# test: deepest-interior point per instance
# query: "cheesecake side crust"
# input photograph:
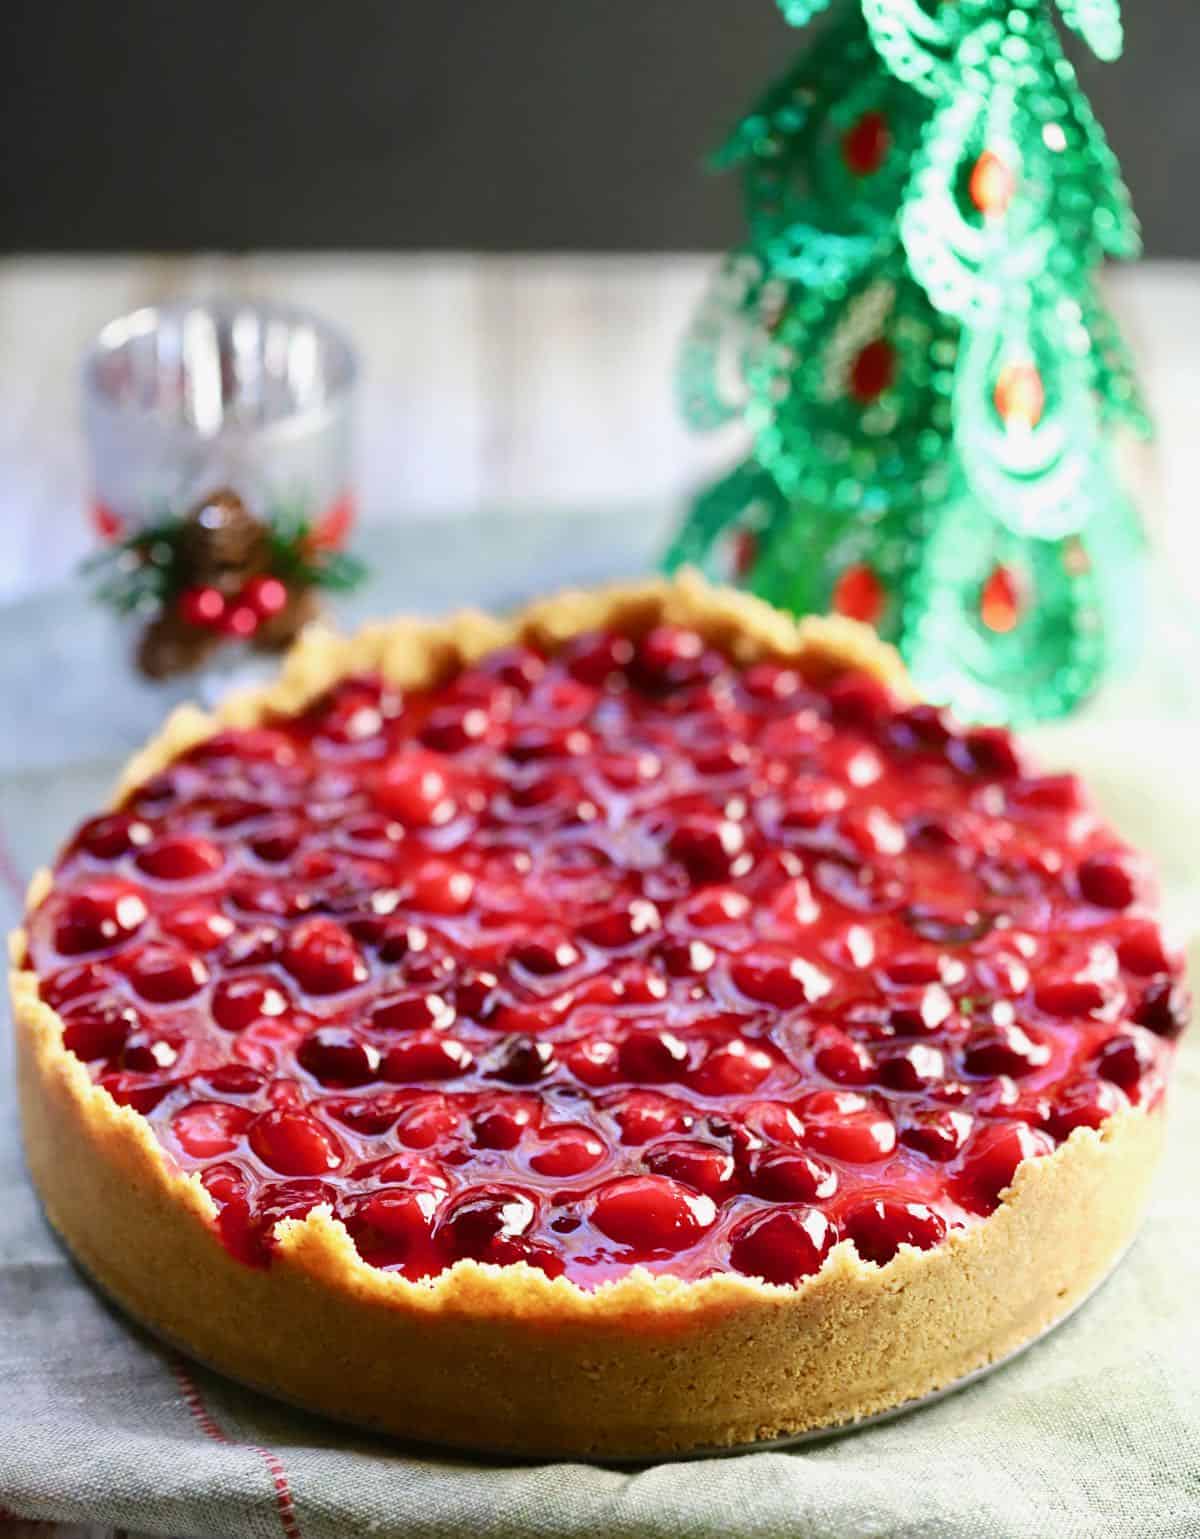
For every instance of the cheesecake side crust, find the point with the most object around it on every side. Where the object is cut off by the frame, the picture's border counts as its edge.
(505, 1358)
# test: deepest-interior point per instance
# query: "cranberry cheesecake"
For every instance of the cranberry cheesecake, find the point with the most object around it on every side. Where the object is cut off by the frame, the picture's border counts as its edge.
(632, 1027)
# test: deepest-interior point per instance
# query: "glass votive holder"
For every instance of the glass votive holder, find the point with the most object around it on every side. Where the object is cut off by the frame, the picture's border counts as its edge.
(185, 398)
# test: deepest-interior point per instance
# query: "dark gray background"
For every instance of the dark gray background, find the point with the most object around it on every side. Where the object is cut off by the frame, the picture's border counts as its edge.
(483, 124)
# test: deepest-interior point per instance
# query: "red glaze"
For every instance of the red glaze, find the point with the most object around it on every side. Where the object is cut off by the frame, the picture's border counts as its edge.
(622, 957)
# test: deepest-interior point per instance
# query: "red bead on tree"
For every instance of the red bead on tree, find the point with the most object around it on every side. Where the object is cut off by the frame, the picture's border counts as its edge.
(859, 595)
(866, 143)
(1001, 600)
(873, 371)
(1020, 396)
(991, 185)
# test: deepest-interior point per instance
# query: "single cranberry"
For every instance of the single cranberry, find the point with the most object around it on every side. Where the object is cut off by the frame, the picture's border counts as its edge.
(323, 958)
(703, 1166)
(102, 914)
(367, 1114)
(783, 982)
(597, 657)
(412, 1012)
(76, 982)
(165, 974)
(623, 926)
(545, 955)
(440, 887)
(686, 958)
(426, 1057)
(652, 1055)
(764, 1122)
(1083, 1103)
(991, 1162)
(1071, 998)
(807, 803)
(427, 1121)
(722, 759)
(477, 1222)
(1106, 881)
(879, 1228)
(651, 1215)
(294, 1143)
(206, 1129)
(151, 1048)
(109, 838)
(1165, 1007)
(567, 1149)
(717, 907)
(914, 1066)
(99, 1029)
(500, 1121)
(199, 926)
(1126, 1057)
(790, 1175)
(1045, 793)
(916, 1012)
(180, 858)
(594, 1060)
(134, 1089)
(772, 683)
(335, 1056)
(452, 728)
(735, 1067)
(644, 1115)
(847, 1126)
(712, 849)
(1006, 1049)
(248, 997)
(842, 1059)
(252, 947)
(521, 1060)
(414, 789)
(392, 1227)
(280, 1201)
(991, 751)
(234, 1079)
(782, 1245)
(1143, 952)
(939, 1133)
(671, 657)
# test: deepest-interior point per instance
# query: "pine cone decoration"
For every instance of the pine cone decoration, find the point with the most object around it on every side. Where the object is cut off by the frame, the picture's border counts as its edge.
(221, 541)
(170, 645)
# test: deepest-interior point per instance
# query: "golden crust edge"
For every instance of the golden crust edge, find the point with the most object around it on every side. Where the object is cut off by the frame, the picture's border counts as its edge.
(61, 1105)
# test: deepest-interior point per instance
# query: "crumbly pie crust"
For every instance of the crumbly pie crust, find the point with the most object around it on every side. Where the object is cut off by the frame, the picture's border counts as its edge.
(506, 1358)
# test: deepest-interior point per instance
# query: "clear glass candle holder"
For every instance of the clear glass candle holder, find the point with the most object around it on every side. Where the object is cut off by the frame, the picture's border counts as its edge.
(183, 399)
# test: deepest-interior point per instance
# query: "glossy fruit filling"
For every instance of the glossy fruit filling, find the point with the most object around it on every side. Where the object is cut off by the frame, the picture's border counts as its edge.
(624, 956)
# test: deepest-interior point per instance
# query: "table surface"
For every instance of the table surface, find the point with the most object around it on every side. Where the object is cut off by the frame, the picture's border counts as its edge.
(496, 384)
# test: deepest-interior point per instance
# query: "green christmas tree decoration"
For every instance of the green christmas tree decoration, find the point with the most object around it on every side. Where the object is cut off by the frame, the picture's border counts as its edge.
(913, 340)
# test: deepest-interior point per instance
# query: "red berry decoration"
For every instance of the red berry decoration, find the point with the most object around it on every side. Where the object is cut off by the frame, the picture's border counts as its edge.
(266, 596)
(202, 607)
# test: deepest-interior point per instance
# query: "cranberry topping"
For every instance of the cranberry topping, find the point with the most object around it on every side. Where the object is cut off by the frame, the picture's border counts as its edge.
(619, 956)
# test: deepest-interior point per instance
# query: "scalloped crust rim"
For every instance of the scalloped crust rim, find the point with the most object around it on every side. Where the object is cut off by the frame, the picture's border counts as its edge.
(505, 1358)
